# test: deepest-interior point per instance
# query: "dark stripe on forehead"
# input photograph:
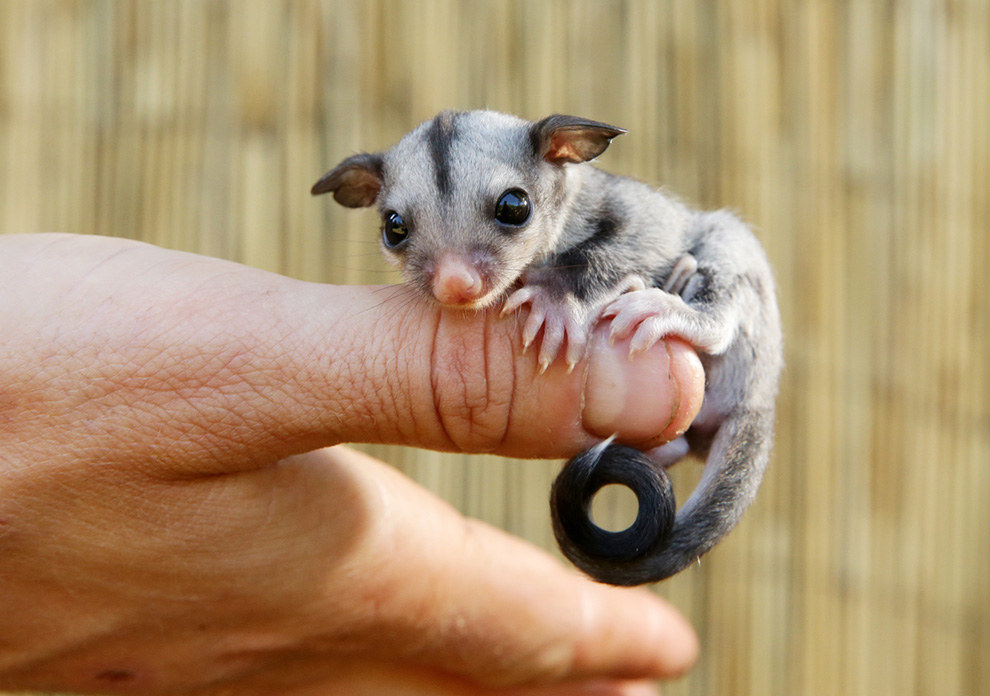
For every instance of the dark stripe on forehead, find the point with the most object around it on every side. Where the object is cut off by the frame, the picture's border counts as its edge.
(440, 139)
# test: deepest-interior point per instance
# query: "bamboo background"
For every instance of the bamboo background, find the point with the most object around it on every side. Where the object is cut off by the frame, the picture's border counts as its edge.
(854, 135)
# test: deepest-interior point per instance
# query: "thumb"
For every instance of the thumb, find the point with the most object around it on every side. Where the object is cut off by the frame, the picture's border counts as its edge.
(385, 365)
(205, 365)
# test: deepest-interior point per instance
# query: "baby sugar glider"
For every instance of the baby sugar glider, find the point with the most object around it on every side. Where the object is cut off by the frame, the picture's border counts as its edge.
(480, 208)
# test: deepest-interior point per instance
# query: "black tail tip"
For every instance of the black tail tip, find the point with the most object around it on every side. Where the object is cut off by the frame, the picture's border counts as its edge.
(612, 557)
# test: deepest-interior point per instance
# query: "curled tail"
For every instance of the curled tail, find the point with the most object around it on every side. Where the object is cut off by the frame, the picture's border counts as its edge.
(659, 543)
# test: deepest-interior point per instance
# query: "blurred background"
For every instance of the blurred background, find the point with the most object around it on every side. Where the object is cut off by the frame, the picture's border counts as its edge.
(853, 135)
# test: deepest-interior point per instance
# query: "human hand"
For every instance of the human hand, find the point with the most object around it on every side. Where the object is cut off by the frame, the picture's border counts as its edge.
(169, 525)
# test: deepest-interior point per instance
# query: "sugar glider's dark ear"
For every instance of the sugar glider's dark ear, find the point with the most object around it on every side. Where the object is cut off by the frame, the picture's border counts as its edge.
(559, 139)
(355, 182)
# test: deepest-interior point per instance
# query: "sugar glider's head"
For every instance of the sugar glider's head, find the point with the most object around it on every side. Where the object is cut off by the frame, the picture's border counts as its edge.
(469, 199)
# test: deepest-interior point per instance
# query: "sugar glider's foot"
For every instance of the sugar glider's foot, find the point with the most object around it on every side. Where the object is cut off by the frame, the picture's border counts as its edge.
(646, 315)
(563, 320)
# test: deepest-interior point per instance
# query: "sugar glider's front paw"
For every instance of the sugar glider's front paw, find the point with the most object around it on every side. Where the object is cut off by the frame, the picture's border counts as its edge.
(563, 319)
(646, 315)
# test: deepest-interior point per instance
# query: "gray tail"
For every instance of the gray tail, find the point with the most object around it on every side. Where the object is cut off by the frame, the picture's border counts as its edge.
(659, 543)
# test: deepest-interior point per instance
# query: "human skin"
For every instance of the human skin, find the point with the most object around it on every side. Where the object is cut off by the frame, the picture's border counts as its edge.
(174, 517)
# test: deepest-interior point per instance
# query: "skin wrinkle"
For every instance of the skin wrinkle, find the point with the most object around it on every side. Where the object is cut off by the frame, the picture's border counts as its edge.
(513, 380)
(467, 420)
(499, 408)
(380, 405)
(148, 377)
(676, 401)
(486, 367)
(407, 335)
(383, 409)
(324, 361)
(225, 423)
(434, 379)
(141, 363)
(251, 380)
(451, 368)
(103, 262)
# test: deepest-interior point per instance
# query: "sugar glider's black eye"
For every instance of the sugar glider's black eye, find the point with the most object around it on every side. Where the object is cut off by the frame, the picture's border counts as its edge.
(512, 208)
(394, 231)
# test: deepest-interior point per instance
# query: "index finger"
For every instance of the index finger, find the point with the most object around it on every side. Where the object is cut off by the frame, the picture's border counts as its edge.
(460, 595)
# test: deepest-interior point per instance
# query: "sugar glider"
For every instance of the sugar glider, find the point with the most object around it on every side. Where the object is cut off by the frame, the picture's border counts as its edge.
(480, 208)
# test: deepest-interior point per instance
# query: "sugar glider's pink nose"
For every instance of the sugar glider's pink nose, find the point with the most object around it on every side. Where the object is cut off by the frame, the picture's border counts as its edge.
(457, 282)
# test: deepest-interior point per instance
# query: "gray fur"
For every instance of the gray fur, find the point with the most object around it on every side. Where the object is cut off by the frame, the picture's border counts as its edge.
(592, 237)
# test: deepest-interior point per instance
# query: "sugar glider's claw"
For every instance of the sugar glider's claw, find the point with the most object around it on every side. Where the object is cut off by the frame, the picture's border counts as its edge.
(577, 341)
(553, 338)
(534, 322)
(631, 311)
(574, 353)
(649, 331)
(517, 300)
